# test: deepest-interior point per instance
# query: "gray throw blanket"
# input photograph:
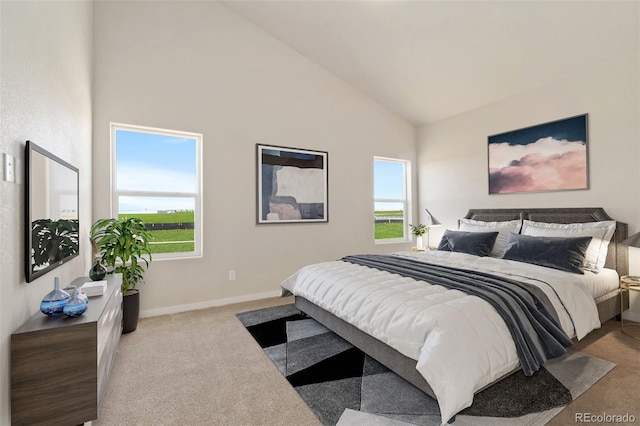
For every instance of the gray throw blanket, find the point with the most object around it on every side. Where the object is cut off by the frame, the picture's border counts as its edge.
(526, 310)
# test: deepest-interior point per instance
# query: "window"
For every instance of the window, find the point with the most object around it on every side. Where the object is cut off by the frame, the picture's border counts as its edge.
(157, 178)
(391, 199)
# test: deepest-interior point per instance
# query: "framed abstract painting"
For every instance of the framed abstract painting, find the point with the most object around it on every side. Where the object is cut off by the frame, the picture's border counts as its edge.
(548, 157)
(292, 185)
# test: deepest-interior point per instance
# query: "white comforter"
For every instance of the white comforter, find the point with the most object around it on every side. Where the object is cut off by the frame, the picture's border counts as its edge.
(460, 342)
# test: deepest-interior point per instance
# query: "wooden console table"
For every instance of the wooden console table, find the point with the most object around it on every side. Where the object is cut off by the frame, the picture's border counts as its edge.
(60, 366)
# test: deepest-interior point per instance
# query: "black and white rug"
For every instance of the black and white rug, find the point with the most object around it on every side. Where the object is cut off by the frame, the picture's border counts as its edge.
(344, 387)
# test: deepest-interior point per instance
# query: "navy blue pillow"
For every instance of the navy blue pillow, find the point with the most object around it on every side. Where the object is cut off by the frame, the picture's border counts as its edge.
(566, 254)
(477, 243)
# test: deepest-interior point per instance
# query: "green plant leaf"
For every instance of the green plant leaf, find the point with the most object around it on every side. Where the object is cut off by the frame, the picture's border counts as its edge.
(123, 244)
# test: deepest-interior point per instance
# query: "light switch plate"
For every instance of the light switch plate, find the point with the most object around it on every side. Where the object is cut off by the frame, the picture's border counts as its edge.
(9, 168)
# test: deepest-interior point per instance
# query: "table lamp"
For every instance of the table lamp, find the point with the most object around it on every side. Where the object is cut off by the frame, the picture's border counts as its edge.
(633, 241)
(432, 221)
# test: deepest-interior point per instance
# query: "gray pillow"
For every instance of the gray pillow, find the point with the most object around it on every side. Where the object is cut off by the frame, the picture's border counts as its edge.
(476, 243)
(565, 254)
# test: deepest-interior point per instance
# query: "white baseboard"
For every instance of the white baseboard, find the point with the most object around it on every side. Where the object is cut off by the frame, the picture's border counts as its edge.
(207, 304)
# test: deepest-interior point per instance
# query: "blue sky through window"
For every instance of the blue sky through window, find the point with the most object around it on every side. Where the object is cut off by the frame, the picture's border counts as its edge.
(150, 163)
(388, 183)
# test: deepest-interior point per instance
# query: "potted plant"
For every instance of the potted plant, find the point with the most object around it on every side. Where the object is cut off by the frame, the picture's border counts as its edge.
(419, 230)
(124, 244)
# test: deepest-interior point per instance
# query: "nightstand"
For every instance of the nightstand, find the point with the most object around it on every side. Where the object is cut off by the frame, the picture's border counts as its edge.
(629, 283)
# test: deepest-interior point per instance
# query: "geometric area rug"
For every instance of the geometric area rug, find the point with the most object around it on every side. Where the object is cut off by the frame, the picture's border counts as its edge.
(345, 387)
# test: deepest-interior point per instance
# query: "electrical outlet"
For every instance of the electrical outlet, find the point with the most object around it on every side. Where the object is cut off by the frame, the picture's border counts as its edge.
(232, 275)
(9, 168)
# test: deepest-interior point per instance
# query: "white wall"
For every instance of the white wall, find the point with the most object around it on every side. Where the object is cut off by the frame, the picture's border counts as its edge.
(452, 153)
(199, 67)
(45, 82)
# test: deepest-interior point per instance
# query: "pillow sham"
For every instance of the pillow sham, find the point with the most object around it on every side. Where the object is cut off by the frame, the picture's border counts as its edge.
(563, 253)
(503, 229)
(601, 233)
(476, 243)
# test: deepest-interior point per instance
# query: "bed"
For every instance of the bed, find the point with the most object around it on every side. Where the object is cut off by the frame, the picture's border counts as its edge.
(402, 358)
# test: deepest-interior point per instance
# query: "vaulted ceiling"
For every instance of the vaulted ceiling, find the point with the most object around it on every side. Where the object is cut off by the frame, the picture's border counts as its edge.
(428, 60)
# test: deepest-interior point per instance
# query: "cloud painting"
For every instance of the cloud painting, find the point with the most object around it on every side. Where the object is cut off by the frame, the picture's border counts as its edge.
(548, 157)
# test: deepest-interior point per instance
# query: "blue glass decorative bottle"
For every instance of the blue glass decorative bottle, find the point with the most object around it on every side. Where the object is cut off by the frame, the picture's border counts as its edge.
(70, 289)
(82, 296)
(76, 306)
(53, 303)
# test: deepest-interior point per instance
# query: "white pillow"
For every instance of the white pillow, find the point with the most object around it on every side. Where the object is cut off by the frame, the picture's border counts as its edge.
(503, 229)
(601, 233)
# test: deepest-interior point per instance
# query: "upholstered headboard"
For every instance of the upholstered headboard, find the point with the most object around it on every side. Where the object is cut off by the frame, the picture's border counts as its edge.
(617, 255)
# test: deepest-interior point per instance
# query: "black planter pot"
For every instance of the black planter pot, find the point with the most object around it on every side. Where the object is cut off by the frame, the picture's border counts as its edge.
(130, 311)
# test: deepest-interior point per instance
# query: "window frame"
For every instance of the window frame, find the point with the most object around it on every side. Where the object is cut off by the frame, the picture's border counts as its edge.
(197, 214)
(406, 200)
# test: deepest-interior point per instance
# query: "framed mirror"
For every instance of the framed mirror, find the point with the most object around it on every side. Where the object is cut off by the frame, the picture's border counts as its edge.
(51, 211)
